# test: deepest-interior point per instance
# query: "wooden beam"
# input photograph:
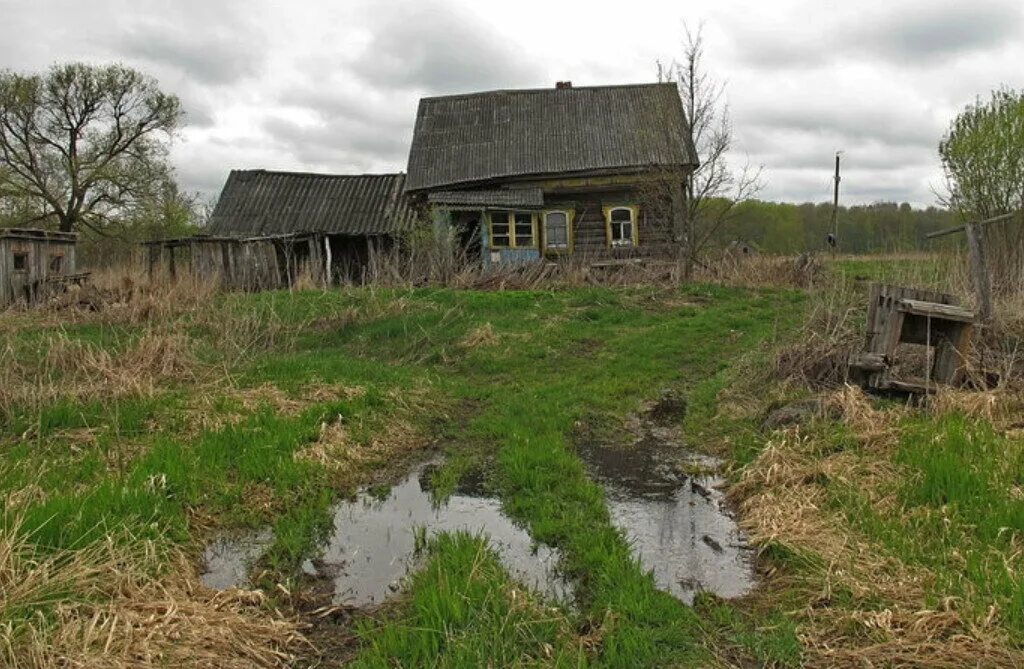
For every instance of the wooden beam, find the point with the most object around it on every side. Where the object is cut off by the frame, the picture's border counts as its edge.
(962, 228)
(935, 310)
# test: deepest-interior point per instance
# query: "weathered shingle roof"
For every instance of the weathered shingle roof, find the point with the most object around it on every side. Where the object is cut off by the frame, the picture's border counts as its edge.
(510, 197)
(462, 139)
(261, 202)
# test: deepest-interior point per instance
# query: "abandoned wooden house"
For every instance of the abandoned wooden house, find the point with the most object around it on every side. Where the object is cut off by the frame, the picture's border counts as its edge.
(269, 228)
(35, 263)
(525, 175)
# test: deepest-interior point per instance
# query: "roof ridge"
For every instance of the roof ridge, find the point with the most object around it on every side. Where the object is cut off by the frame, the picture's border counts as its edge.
(544, 90)
(260, 170)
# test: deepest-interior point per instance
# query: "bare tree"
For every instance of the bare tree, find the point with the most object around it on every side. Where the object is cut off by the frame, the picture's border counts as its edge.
(713, 189)
(86, 142)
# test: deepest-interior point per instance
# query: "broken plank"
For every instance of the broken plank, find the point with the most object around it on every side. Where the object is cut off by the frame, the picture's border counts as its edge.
(935, 310)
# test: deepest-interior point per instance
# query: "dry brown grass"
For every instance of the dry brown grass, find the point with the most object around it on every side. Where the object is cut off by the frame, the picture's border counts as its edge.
(818, 354)
(754, 271)
(62, 368)
(123, 296)
(481, 336)
(161, 328)
(117, 604)
(222, 404)
(883, 618)
(349, 460)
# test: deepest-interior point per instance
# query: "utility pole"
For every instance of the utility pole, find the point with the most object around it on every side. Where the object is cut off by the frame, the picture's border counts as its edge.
(835, 209)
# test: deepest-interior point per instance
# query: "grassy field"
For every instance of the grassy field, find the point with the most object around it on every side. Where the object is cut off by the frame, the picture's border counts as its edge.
(132, 435)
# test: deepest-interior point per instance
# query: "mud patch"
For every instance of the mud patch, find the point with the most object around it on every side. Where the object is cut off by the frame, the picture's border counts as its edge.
(228, 559)
(673, 514)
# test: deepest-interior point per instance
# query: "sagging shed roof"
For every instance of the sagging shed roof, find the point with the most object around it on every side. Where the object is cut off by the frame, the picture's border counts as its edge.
(464, 139)
(38, 234)
(262, 202)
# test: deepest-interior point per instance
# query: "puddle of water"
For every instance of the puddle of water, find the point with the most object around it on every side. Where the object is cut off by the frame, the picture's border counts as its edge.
(373, 544)
(227, 559)
(677, 524)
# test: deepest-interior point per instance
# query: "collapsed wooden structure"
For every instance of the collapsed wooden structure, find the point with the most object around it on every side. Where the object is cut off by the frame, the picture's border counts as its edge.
(35, 264)
(264, 262)
(270, 227)
(898, 315)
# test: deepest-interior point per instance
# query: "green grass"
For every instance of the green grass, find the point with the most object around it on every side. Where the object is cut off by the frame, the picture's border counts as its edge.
(924, 269)
(512, 407)
(769, 638)
(469, 614)
(960, 513)
(562, 358)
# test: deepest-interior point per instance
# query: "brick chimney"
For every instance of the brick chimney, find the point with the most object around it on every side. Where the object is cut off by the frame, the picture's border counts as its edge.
(563, 84)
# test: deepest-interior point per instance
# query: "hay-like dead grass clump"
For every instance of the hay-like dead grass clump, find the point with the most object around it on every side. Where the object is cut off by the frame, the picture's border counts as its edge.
(118, 604)
(348, 459)
(219, 405)
(818, 354)
(350, 452)
(1002, 407)
(482, 336)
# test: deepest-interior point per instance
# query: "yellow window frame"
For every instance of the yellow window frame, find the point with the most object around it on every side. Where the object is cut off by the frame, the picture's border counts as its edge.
(511, 221)
(570, 215)
(635, 219)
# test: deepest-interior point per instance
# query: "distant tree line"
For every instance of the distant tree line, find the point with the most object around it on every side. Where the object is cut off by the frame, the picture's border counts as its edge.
(777, 227)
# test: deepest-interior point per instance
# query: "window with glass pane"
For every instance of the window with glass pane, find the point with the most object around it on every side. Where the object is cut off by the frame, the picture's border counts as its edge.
(500, 230)
(524, 229)
(556, 230)
(622, 226)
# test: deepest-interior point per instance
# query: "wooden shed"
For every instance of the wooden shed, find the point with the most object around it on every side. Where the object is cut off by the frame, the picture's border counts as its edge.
(263, 262)
(271, 227)
(34, 262)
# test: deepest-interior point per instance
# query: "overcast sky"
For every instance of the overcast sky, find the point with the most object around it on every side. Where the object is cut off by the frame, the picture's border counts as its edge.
(333, 86)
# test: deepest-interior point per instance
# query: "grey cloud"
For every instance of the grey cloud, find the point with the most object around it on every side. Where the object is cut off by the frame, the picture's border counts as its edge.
(198, 116)
(838, 120)
(800, 154)
(937, 30)
(198, 176)
(434, 47)
(895, 184)
(333, 86)
(365, 105)
(340, 141)
(211, 56)
(918, 33)
(200, 110)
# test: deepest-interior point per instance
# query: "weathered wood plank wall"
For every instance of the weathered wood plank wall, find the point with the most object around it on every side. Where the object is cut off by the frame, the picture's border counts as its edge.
(29, 284)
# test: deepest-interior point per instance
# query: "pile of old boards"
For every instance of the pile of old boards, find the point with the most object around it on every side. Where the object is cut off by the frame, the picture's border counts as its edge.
(898, 315)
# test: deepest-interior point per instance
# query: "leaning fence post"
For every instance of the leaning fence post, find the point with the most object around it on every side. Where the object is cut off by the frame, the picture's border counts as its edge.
(979, 271)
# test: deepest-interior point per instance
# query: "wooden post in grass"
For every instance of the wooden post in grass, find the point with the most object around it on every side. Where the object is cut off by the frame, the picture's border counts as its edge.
(835, 209)
(979, 272)
(979, 265)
